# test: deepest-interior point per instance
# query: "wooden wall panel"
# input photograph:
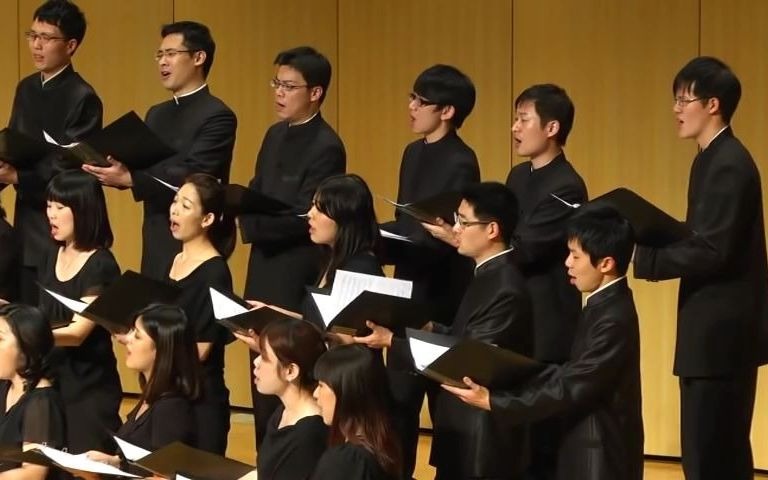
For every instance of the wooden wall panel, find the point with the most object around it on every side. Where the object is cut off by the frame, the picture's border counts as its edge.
(11, 40)
(734, 31)
(385, 44)
(617, 61)
(248, 35)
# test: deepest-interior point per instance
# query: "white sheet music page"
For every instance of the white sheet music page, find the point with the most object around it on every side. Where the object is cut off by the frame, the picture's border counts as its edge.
(75, 305)
(394, 236)
(82, 463)
(424, 353)
(223, 306)
(130, 451)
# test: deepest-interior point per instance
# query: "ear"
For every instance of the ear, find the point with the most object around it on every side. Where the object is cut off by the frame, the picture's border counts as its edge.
(208, 220)
(292, 372)
(72, 46)
(447, 113)
(315, 93)
(552, 127)
(606, 265)
(199, 57)
(493, 230)
(713, 106)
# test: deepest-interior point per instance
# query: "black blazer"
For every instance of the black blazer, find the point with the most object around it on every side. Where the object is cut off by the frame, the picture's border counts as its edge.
(540, 237)
(495, 309)
(597, 393)
(291, 163)
(722, 324)
(202, 130)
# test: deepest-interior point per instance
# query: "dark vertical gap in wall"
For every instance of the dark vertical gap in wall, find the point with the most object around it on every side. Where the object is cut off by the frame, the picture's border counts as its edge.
(18, 40)
(698, 46)
(338, 67)
(511, 159)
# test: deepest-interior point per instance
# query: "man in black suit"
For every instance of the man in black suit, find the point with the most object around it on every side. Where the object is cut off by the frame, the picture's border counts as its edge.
(723, 297)
(495, 309)
(438, 162)
(597, 391)
(199, 126)
(56, 101)
(296, 155)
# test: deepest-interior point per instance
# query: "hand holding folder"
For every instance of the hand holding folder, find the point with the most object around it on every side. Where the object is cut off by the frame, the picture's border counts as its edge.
(116, 307)
(239, 317)
(448, 360)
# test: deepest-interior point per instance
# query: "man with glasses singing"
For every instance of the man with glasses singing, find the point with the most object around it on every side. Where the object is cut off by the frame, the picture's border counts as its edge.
(199, 126)
(58, 102)
(297, 153)
(495, 309)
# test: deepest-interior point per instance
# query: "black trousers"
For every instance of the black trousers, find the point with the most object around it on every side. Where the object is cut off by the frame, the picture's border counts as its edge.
(716, 418)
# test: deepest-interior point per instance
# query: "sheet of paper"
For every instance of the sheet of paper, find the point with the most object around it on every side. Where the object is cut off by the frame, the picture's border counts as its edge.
(348, 285)
(50, 139)
(165, 184)
(567, 204)
(82, 463)
(223, 306)
(75, 305)
(130, 451)
(424, 353)
(394, 236)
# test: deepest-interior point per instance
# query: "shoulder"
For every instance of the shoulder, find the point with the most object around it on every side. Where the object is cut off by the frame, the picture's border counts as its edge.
(363, 262)
(83, 88)
(461, 152)
(518, 171)
(310, 428)
(328, 135)
(215, 270)
(104, 260)
(43, 399)
(172, 405)
(350, 456)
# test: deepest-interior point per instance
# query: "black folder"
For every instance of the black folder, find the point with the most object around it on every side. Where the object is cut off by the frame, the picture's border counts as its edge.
(486, 364)
(128, 139)
(254, 320)
(23, 151)
(116, 307)
(243, 200)
(197, 464)
(442, 205)
(395, 313)
(653, 227)
(12, 456)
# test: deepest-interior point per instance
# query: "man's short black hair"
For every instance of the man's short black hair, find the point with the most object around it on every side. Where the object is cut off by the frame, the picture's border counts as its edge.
(552, 103)
(197, 37)
(709, 77)
(602, 232)
(447, 85)
(65, 15)
(494, 202)
(311, 64)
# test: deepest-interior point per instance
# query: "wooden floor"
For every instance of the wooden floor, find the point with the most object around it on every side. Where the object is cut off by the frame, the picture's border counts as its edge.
(242, 447)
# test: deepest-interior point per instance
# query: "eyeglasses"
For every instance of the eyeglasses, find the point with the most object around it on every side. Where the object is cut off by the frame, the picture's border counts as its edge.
(169, 53)
(419, 101)
(285, 86)
(44, 38)
(466, 223)
(682, 101)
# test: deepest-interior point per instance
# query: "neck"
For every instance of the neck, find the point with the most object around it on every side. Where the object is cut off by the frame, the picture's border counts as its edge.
(296, 401)
(708, 133)
(17, 383)
(53, 71)
(196, 246)
(493, 249)
(606, 280)
(189, 87)
(438, 134)
(544, 158)
(313, 109)
(69, 246)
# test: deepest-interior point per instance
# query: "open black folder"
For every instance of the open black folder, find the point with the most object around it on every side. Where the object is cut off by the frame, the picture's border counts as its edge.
(115, 308)
(23, 151)
(235, 313)
(652, 226)
(197, 464)
(448, 360)
(442, 205)
(243, 200)
(395, 313)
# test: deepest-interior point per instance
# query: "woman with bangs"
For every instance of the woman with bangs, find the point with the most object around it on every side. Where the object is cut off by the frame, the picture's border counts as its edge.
(80, 265)
(354, 400)
(207, 236)
(296, 436)
(161, 348)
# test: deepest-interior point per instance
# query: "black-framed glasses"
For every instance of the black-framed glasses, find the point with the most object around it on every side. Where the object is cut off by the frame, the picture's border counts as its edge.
(285, 86)
(419, 101)
(32, 36)
(457, 220)
(682, 101)
(170, 53)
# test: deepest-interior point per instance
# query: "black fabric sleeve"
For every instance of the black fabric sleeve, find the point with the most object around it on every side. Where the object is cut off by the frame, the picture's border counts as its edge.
(44, 420)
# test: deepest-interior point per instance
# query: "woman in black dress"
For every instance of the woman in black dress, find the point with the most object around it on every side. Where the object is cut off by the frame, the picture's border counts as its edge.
(80, 265)
(31, 411)
(10, 268)
(161, 348)
(296, 436)
(207, 236)
(355, 402)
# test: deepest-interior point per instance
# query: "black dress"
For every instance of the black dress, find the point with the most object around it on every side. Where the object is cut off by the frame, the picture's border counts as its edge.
(37, 417)
(349, 461)
(86, 375)
(168, 419)
(211, 411)
(291, 452)
(9, 262)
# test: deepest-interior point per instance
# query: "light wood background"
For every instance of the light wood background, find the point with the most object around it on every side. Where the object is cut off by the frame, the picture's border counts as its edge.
(616, 58)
